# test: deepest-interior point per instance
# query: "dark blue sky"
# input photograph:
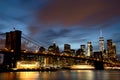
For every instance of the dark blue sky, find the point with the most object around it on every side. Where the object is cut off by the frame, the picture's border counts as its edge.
(63, 21)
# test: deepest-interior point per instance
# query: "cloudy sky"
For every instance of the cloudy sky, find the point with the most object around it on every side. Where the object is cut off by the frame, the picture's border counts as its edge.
(63, 21)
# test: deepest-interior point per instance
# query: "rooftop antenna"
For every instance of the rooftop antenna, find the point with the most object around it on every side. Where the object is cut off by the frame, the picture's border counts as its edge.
(101, 33)
(54, 42)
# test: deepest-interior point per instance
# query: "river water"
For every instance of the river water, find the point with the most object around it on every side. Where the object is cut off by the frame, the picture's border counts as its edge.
(63, 75)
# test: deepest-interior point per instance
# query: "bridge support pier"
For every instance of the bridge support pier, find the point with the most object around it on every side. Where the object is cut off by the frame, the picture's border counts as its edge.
(13, 43)
(99, 65)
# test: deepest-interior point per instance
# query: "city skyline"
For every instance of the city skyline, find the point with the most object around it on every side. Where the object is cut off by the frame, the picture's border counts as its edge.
(63, 21)
(13, 45)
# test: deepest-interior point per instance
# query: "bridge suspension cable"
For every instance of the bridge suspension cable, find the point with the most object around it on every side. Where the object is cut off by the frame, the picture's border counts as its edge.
(31, 40)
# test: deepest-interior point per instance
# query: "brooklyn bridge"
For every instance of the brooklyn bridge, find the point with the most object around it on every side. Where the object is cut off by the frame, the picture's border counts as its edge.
(19, 47)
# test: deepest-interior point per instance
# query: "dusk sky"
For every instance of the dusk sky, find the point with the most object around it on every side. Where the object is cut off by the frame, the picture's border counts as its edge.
(63, 21)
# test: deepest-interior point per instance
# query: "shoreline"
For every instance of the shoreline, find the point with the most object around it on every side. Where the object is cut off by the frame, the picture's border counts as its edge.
(30, 70)
(27, 70)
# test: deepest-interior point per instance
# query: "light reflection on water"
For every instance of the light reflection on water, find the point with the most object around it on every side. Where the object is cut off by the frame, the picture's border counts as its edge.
(62, 75)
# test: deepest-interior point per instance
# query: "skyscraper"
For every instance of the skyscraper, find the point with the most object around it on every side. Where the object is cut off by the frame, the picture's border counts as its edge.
(101, 42)
(114, 51)
(83, 49)
(89, 49)
(53, 48)
(111, 48)
(67, 47)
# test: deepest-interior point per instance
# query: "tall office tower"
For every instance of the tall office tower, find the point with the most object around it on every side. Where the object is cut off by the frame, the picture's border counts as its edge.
(67, 47)
(83, 49)
(114, 51)
(56, 48)
(101, 42)
(111, 48)
(89, 49)
(53, 48)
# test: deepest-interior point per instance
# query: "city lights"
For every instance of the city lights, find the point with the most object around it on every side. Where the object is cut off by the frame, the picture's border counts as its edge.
(28, 65)
(82, 67)
(43, 58)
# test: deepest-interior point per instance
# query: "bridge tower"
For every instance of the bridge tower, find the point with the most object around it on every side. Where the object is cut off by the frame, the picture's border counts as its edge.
(13, 43)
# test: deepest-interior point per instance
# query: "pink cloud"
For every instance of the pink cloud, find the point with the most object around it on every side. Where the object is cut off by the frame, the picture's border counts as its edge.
(83, 12)
(34, 29)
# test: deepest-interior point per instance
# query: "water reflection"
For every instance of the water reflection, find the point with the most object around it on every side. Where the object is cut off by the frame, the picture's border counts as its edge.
(7, 76)
(62, 75)
(27, 75)
(83, 74)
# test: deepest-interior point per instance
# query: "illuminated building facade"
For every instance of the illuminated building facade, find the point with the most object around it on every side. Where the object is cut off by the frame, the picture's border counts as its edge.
(89, 49)
(98, 55)
(83, 49)
(53, 49)
(101, 43)
(72, 52)
(67, 47)
(111, 49)
(114, 51)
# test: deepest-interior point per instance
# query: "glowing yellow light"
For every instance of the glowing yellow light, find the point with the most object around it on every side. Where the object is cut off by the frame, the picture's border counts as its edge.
(36, 51)
(28, 75)
(28, 65)
(82, 67)
(12, 50)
